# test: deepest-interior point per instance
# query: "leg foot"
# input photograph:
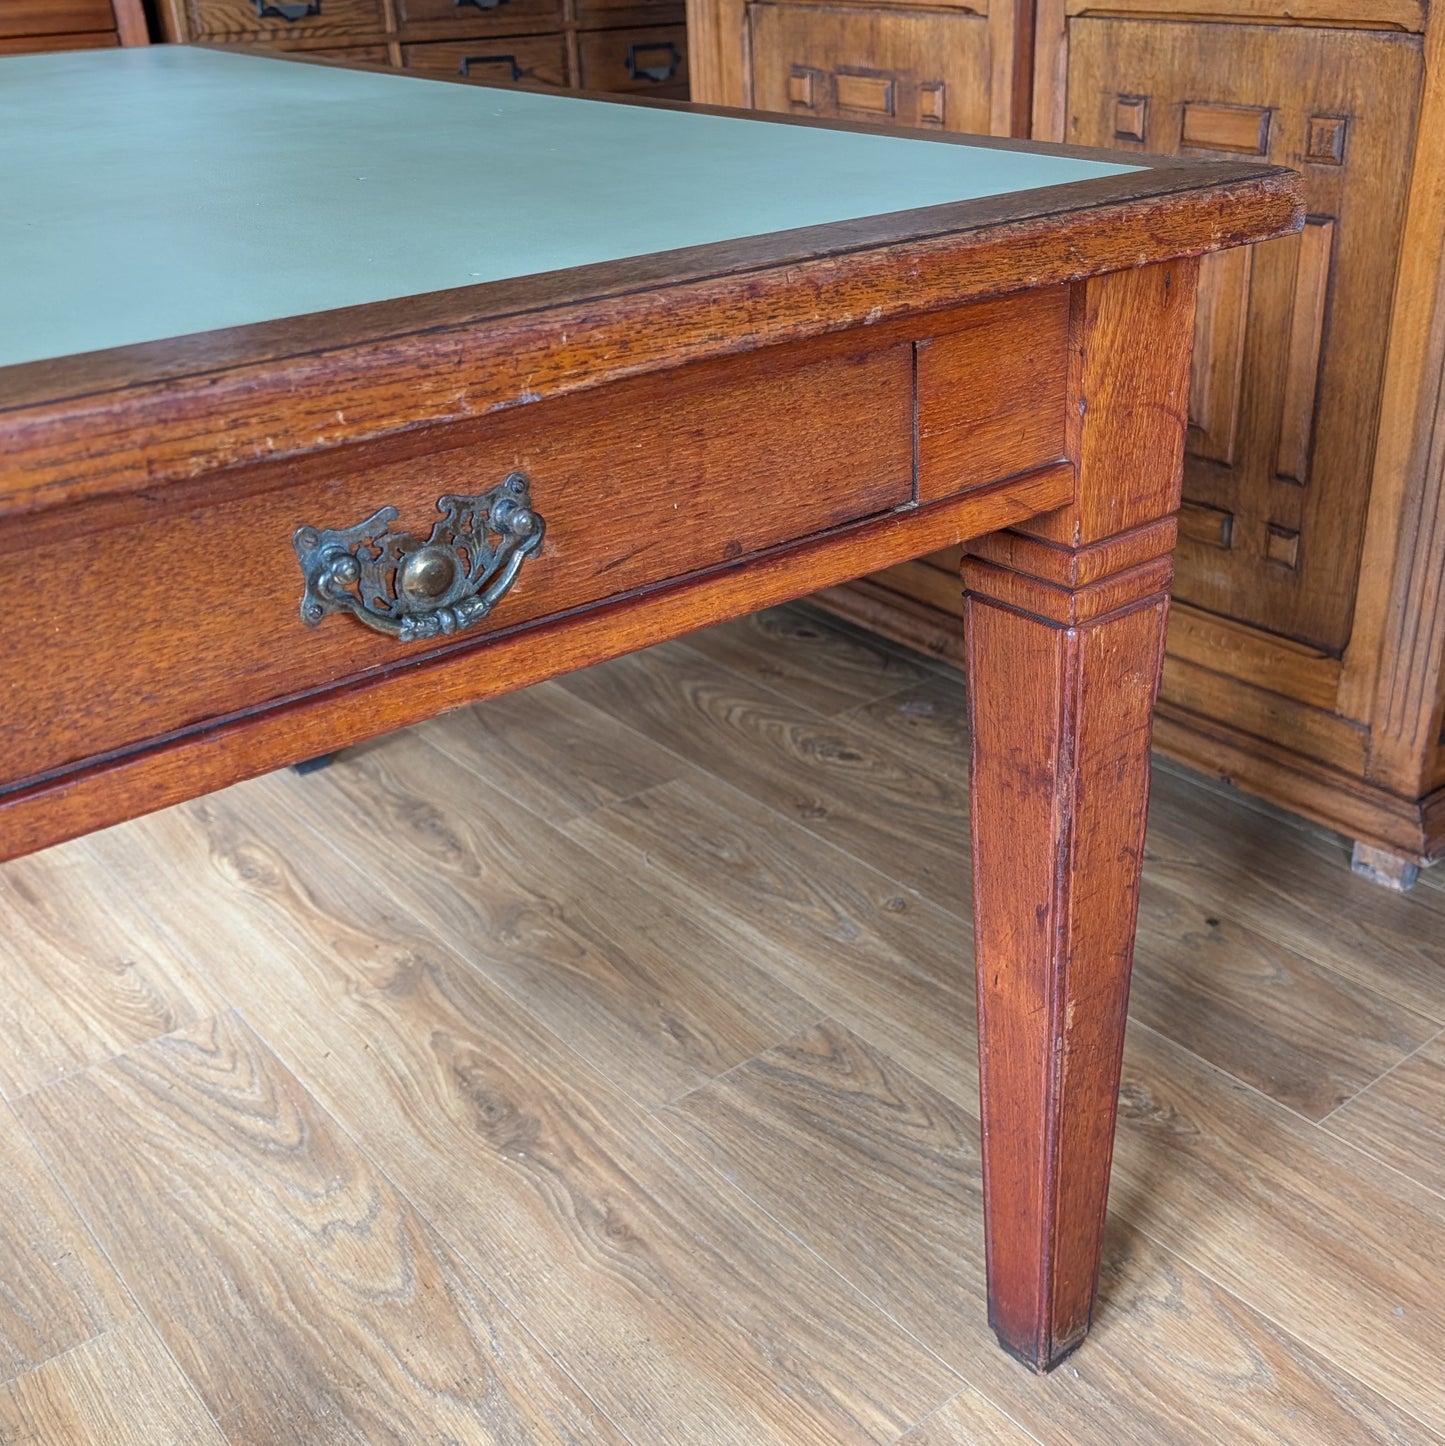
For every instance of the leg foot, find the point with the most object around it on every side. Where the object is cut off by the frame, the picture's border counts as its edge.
(1383, 867)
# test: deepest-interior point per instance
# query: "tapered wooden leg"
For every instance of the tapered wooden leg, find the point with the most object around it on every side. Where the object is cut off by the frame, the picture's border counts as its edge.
(1065, 646)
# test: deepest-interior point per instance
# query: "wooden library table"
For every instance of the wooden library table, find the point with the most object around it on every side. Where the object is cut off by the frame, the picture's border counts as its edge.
(332, 399)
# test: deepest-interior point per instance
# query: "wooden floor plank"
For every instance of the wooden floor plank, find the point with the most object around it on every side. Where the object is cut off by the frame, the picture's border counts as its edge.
(501, 737)
(56, 1289)
(478, 948)
(658, 1014)
(809, 658)
(874, 803)
(1264, 991)
(87, 992)
(1302, 1033)
(968, 1420)
(1294, 885)
(1401, 1118)
(1235, 857)
(121, 1389)
(303, 1296)
(881, 1175)
(1302, 1226)
(686, 1313)
(892, 966)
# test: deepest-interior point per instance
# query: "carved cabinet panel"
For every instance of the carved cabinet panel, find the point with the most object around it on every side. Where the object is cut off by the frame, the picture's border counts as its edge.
(890, 66)
(1291, 336)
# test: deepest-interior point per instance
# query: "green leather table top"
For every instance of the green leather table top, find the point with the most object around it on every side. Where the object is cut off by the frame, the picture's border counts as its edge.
(163, 191)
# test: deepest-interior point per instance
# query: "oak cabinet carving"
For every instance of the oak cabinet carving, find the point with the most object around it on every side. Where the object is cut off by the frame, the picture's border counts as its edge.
(1289, 346)
(1307, 643)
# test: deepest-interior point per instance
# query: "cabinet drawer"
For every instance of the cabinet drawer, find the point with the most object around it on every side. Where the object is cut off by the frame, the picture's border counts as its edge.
(889, 67)
(631, 12)
(478, 17)
(54, 17)
(652, 60)
(281, 20)
(509, 60)
(187, 600)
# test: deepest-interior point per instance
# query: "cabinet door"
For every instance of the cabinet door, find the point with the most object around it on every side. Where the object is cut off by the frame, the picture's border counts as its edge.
(891, 66)
(1291, 336)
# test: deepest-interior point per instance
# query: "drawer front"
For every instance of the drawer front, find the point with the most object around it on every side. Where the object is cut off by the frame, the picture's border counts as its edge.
(478, 17)
(281, 20)
(887, 67)
(631, 12)
(186, 603)
(510, 60)
(648, 61)
(54, 17)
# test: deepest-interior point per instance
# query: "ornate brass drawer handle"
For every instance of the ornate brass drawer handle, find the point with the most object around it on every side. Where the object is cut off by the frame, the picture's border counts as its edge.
(414, 590)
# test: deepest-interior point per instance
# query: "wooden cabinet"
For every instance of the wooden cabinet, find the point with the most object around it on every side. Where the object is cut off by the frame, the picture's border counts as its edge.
(639, 46)
(1283, 407)
(1307, 644)
(37, 25)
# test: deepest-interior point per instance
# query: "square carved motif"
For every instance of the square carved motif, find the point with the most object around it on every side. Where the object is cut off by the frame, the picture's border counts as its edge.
(1131, 117)
(1325, 140)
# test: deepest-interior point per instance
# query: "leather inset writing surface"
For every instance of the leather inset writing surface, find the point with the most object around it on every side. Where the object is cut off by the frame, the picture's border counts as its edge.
(408, 188)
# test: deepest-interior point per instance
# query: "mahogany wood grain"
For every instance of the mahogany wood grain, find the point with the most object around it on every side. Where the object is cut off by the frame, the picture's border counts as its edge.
(178, 766)
(695, 494)
(991, 394)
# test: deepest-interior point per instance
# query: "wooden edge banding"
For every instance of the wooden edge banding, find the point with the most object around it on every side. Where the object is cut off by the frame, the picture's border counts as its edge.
(93, 426)
(227, 751)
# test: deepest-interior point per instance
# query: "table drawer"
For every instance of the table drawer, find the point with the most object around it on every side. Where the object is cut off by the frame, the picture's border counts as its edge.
(651, 60)
(509, 60)
(135, 619)
(281, 20)
(477, 17)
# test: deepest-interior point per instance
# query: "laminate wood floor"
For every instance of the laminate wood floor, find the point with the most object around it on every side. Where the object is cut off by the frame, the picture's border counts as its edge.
(597, 1065)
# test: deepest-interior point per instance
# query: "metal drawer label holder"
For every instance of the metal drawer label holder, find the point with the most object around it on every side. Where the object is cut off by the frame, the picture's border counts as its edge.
(414, 590)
